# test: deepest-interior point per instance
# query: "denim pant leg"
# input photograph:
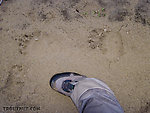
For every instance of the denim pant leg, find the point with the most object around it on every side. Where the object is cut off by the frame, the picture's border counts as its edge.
(93, 96)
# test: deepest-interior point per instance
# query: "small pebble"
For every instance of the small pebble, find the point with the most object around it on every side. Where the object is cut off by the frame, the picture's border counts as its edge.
(118, 59)
(36, 39)
(105, 30)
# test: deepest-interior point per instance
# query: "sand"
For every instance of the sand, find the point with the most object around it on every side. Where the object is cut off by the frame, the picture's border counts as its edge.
(39, 38)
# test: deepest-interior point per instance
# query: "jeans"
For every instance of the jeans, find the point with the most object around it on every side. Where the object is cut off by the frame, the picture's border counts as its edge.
(91, 95)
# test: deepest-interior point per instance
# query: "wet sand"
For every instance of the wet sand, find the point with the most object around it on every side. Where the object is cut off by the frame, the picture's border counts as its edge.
(108, 40)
